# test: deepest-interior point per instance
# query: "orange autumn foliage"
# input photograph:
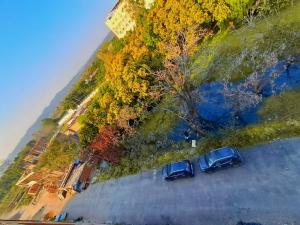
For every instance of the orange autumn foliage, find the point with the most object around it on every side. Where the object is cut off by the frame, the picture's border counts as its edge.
(105, 145)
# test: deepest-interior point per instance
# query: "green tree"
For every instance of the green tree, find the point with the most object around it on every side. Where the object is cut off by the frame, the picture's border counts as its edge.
(87, 134)
(59, 155)
(88, 82)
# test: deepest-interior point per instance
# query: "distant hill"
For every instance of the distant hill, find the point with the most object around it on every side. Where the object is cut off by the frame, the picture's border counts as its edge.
(3, 166)
(47, 112)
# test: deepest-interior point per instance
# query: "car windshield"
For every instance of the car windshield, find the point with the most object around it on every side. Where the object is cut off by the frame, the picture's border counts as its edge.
(209, 160)
(214, 156)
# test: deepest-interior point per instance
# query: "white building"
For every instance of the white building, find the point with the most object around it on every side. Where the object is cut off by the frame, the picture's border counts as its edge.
(120, 20)
(66, 117)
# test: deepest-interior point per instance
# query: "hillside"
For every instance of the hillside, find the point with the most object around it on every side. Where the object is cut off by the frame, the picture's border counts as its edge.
(3, 166)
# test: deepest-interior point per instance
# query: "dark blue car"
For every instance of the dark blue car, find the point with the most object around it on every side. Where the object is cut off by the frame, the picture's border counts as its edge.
(219, 158)
(177, 170)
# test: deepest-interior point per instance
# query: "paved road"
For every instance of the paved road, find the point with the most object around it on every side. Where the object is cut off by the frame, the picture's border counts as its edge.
(265, 189)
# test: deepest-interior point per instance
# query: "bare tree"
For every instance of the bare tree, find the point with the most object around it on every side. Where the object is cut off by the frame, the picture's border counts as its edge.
(250, 92)
(176, 79)
(245, 95)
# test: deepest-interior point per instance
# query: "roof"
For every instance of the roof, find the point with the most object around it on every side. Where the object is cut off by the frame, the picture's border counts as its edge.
(30, 158)
(39, 147)
(34, 189)
(75, 127)
(86, 174)
(179, 166)
(68, 174)
(42, 177)
(221, 153)
(29, 179)
(74, 173)
(112, 10)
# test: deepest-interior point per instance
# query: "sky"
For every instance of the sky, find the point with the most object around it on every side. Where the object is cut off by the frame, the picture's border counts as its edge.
(43, 44)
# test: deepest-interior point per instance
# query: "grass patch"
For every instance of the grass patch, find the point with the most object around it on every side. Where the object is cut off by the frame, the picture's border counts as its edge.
(284, 106)
(237, 53)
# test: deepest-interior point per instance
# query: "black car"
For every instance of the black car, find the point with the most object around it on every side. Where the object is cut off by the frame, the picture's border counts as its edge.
(178, 169)
(219, 158)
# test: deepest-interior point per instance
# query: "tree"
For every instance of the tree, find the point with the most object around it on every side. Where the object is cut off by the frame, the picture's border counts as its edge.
(48, 126)
(172, 17)
(14, 171)
(128, 90)
(126, 119)
(89, 80)
(59, 155)
(176, 79)
(31, 143)
(244, 96)
(217, 10)
(239, 8)
(87, 134)
(49, 122)
(105, 146)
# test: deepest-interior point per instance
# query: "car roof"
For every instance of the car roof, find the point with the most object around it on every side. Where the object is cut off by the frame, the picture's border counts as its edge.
(224, 152)
(179, 166)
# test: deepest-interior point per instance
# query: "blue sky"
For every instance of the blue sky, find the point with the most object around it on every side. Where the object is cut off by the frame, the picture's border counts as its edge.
(43, 44)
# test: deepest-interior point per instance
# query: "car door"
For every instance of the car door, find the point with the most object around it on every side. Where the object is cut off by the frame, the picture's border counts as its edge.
(181, 174)
(220, 163)
(225, 162)
(216, 165)
(175, 175)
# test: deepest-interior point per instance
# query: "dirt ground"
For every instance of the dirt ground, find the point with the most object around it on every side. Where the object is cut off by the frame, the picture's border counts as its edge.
(48, 203)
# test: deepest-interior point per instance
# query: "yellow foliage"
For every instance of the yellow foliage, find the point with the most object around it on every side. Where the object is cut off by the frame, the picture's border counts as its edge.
(173, 17)
(218, 9)
(106, 99)
(124, 69)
